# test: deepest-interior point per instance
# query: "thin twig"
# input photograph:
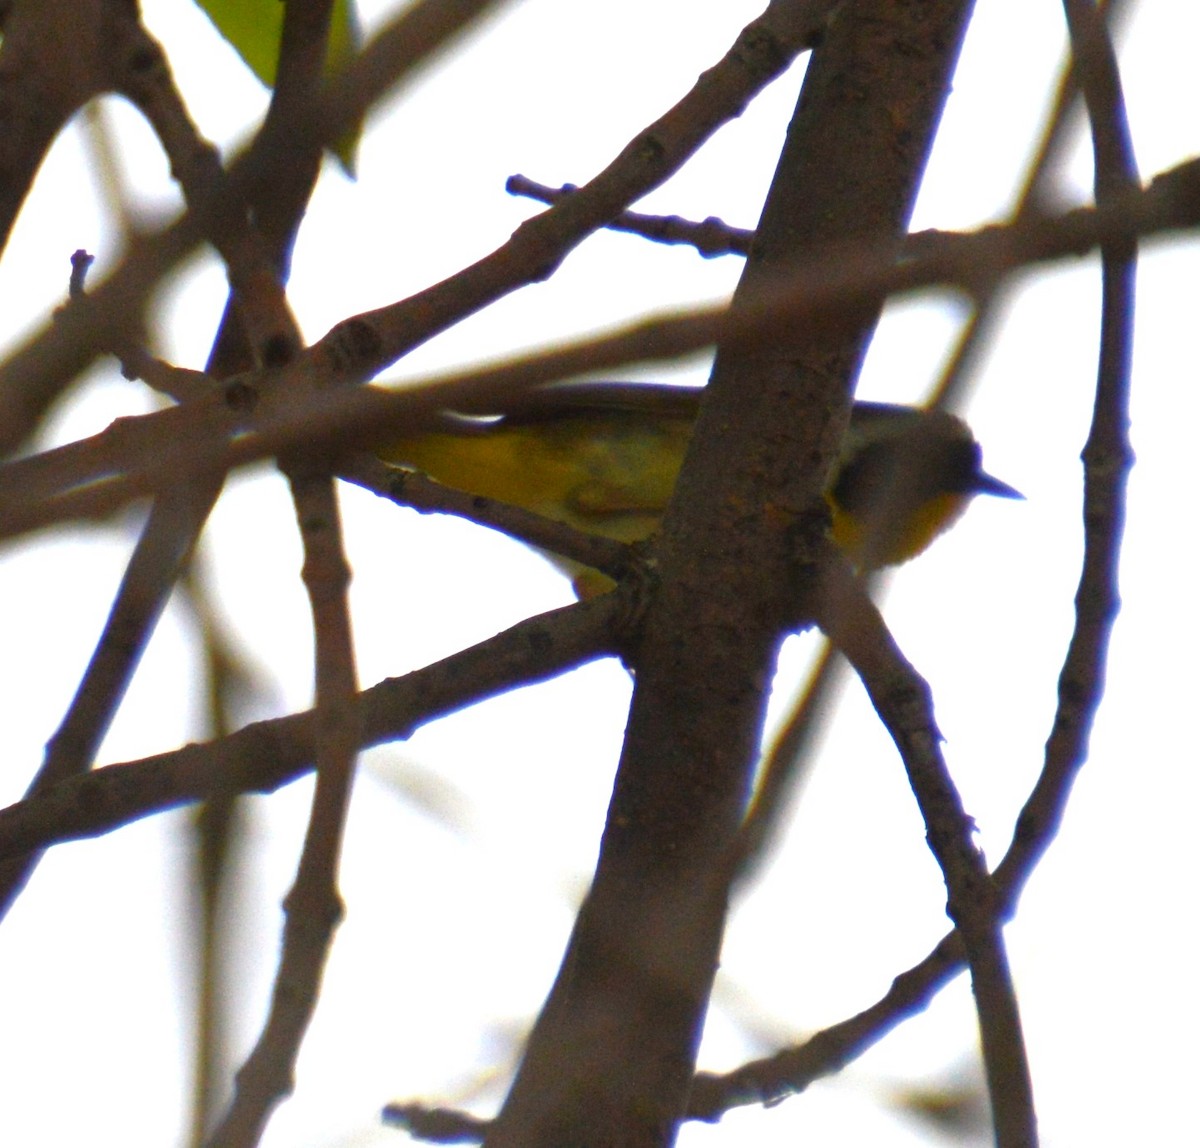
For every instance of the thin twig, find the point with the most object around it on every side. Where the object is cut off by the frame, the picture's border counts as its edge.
(214, 881)
(416, 490)
(1107, 458)
(1031, 200)
(786, 764)
(314, 906)
(436, 1125)
(710, 238)
(905, 705)
(136, 363)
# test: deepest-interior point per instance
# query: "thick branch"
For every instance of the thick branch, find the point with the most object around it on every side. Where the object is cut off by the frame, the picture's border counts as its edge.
(610, 1058)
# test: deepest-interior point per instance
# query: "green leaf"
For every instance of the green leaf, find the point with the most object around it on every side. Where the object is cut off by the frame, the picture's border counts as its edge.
(254, 29)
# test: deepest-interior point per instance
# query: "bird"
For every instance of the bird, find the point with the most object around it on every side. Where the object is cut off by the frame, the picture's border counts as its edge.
(604, 457)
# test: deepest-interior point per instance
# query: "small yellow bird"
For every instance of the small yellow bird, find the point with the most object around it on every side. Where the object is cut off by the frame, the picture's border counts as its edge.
(604, 457)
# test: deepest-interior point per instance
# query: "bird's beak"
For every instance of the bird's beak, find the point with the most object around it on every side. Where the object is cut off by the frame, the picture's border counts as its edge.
(986, 484)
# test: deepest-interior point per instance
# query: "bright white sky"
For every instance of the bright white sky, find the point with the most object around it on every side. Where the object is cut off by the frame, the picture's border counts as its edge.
(456, 924)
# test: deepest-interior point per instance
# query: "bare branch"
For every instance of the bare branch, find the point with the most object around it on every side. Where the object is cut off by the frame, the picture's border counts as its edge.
(1107, 456)
(411, 488)
(32, 377)
(265, 755)
(710, 238)
(313, 907)
(109, 470)
(762, 51)
(162, 551)
(905, 705)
